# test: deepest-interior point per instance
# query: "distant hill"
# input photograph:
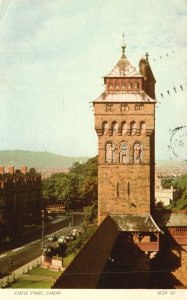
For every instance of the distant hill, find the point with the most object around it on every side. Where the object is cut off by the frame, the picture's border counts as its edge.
(47, 160)
(38, 160)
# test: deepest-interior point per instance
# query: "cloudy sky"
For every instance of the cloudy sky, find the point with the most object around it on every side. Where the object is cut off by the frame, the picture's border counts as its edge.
(54, 53)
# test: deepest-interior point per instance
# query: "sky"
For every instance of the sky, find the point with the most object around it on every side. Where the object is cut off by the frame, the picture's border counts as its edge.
(54, 54)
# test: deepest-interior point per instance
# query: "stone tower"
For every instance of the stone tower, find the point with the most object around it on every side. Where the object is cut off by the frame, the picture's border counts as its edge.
(125, 125)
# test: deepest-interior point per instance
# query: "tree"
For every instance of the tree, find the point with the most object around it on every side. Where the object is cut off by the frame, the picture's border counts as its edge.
(78, 187)
(89, 227)
(180, 185)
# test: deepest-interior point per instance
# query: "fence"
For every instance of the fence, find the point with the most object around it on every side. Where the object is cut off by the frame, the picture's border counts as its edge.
(5, 281)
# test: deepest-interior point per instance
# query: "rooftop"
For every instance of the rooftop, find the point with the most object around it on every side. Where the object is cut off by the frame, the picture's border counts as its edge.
(172, 219)
(144, 223)
(123, 69)
(125, 97)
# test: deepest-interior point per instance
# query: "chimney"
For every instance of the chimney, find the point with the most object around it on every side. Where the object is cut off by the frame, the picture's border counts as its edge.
(2, 169)
(11, 170)
(24, 170)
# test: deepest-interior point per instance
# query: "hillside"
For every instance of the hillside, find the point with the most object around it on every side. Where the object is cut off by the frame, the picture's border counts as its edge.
(38, 160)
(47, 160)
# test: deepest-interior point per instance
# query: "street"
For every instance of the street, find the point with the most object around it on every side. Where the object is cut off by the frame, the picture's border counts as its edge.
(17, 257)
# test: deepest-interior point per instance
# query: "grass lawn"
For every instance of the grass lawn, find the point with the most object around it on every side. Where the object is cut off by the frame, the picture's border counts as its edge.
(67, 260)
(31, 284)
(39, 278)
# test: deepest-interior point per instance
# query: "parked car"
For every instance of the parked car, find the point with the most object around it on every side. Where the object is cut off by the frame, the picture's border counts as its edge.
(48, 250)
(62, 239)
(52, 238)
(74, 232)
(69, 237)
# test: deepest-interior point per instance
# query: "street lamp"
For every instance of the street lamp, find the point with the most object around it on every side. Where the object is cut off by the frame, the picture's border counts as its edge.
(72, 218)
(43, 215)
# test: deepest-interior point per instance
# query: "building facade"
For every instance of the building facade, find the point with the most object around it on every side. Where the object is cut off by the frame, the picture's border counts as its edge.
(20, 200)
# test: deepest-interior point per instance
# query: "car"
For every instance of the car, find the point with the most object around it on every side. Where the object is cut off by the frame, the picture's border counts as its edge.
(47, 249)
(62, 239)
(52, 238)
(69, 237)
(74, 232)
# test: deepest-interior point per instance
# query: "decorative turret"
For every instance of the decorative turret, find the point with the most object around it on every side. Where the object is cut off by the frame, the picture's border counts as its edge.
(148, 82)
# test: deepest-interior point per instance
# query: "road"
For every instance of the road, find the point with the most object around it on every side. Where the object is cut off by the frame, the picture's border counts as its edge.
(27, 252)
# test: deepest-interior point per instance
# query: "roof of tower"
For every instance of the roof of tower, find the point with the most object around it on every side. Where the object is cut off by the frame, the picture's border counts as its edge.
(144, 223)
(125, 97)
(123, 67)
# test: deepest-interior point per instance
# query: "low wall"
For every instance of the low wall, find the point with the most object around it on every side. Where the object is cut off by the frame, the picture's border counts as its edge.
(5, 281)
(86, 268)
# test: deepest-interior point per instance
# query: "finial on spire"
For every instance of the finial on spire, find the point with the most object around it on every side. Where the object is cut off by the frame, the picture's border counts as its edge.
(147, 56)
(123, 45)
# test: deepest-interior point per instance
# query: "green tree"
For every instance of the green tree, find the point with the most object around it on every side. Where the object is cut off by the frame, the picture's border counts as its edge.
(180, 185)
(89, 227)
(78, 188)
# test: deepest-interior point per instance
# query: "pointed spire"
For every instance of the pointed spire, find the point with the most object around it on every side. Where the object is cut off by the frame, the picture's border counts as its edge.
(147, 56)
(123, 45)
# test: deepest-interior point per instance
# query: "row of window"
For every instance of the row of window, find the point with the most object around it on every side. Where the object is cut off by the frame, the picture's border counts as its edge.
(122, 153)
(124, 106)
(124, 128)
(123, 85)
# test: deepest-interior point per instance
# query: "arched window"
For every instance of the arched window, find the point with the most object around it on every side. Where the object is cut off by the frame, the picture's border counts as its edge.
(124, 128)
(124, 153)
(138, 152)
(105, 128)
(142, 127)
(114, 128)
(133, 127)
(110, 152)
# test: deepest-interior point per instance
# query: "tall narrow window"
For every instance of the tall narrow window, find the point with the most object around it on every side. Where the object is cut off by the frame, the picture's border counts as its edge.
(110, 152)
(136, 85)
(133, 127)
(114, 128)
(117, 189)
(117, 85)
(138, 152)
(123, 86)
(142, 127)
(124, 153)
(105, 128)
(128, 188)
(124, 128)
(110, 85)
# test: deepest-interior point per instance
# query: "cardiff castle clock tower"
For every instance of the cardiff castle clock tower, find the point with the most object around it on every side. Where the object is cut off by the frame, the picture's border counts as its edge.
(125, 125)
